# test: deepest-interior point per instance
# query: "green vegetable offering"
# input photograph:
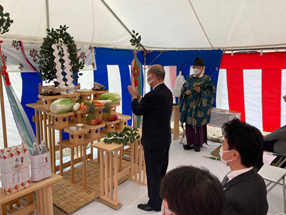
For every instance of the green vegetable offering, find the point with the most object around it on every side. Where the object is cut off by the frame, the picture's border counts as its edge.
(114, 97)
(63, 105)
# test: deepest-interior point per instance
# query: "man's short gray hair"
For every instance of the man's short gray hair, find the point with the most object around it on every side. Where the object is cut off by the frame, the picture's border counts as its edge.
(158, 71)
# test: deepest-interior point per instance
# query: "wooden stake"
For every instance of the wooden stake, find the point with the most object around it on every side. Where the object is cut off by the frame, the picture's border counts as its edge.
(3, 114)
(84, 167)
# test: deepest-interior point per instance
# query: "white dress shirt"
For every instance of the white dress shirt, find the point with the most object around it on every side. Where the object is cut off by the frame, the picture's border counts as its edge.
(236, 173)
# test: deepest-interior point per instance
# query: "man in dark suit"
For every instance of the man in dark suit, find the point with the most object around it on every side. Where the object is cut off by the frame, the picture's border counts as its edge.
(245, 190)
(156, 108)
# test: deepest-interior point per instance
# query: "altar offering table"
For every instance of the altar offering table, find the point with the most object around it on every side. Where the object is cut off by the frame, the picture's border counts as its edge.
(220, 116)
(175, 130)
(44, 197)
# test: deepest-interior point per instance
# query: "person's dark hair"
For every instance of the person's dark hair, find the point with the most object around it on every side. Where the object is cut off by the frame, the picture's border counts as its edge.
(199, 61)
(244, 138)
(191, 190)
(158, 71)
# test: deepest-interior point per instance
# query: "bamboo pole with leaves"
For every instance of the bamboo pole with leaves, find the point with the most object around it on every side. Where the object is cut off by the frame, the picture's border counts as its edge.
(136, 42)
(5, 23)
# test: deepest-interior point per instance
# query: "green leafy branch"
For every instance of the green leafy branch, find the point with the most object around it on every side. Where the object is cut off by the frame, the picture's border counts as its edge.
(128, 135)
(136, 40)
(47, 67)
(5, 21)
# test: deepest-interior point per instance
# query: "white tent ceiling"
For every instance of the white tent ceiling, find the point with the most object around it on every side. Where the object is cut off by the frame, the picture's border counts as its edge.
(163, 24)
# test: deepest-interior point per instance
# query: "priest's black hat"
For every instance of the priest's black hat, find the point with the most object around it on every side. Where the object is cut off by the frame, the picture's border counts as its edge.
(198, 61)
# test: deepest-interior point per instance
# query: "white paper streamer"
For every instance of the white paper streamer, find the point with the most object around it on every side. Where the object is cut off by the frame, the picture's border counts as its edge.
(67, 66)
(58, 65)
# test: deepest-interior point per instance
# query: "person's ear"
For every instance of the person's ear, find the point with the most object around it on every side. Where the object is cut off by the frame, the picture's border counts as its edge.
(235, 155)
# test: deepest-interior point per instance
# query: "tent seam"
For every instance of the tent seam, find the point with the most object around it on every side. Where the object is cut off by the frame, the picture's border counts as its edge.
(201, 24)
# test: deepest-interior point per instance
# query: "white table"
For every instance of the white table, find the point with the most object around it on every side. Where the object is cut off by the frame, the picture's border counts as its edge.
(220, 116)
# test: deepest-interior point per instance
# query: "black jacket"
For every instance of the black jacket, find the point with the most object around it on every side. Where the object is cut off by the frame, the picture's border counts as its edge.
(246, 194)
(156, 108)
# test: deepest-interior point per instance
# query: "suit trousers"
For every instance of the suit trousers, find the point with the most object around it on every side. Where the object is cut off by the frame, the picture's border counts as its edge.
(156, 167)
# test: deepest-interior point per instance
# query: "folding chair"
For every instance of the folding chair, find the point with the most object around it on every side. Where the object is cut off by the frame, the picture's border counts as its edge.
(274, 175)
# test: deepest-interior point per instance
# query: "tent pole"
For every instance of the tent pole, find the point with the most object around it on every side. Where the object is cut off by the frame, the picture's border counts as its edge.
(144, 71)
(3, 113)
(47, 14)
(201, 24)
(254, 49)
(119, 20)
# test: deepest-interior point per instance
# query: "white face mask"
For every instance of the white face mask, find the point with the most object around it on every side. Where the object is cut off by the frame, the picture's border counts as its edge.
(166, 210)
(149, 82)
(197, 71)
(221, 153)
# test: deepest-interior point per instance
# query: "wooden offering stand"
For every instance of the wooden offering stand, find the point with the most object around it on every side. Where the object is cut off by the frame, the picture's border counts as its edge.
(112, 108)
(73, 96)
(98, 112)
(123, 122)
(97, 94)
(47, 123)
(44, 198)
(80, 116)
(77, 138)
(94, 131)
(85, 96)
(111, 172)
(48, 100)
(109, 126)
(175, 130)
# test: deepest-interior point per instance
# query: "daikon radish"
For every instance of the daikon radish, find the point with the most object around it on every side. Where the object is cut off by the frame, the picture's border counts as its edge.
(104, 101)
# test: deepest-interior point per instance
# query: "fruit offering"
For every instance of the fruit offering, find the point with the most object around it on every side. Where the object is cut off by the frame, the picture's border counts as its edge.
(91, 114)
(93, 122)
(112, 118)
(106, 113)
(99, 121)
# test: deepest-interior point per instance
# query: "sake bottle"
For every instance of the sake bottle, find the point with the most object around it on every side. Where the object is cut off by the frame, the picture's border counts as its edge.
(36, 150)
(43, 147)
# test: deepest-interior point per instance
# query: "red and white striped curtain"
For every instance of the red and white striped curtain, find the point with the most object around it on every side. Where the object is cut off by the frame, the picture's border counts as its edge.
(254, 85)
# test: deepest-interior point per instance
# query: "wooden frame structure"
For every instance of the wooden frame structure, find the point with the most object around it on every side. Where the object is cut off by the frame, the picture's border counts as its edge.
(44, 198)
(47, 123)
(111, 171)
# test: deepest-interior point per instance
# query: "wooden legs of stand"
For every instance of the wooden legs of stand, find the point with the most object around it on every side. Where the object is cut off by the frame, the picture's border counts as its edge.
(28, 205)
(44, 200)
(84, 168)
(109, 178)
(43, 204)
(109, 174)
(72, 162)
(138, 171)
(72, 165)
(61, 160)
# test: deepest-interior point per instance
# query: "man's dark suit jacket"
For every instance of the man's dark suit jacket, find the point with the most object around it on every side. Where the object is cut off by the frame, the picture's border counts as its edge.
(246, 194)
(156, 108)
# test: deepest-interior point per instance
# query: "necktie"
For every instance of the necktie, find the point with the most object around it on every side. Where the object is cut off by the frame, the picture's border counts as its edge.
(224, 180)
